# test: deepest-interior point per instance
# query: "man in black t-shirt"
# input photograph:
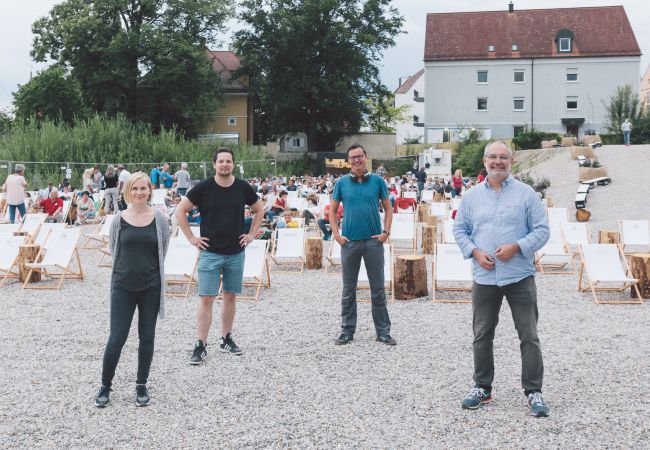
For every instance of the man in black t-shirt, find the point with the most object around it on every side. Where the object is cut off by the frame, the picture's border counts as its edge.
(221, 200)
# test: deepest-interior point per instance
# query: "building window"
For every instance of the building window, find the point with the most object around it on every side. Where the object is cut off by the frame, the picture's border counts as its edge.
(415, 93)
(518, 104)
(572, 75)
(232, 121)
(515, 48)
(519, 76)
(565, 44)
(296, 142)
(481, 104)
(491, 48)
(416, 119)
(517, 129)
(482, 76)
(572, 103)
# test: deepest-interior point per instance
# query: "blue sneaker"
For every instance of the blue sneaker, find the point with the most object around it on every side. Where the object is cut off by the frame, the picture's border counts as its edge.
(476, 397)
(538, 408)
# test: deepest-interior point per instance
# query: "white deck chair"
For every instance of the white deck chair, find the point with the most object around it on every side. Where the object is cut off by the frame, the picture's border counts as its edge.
(439, 209)
(298, 203)
(403, 230)
(448, 232)
(410, 194)
(32, 222)
(44, 231)
(8, 229)
(635, 236)
(100, 234)
(57, 252)
(256, 269)
(180, 266)
(576, 234)
(449, 266)
(333, 255)
(9, 250)
(427, 196)
(555, 255)
(455, 203)
(557, 216)
(363, 283)
(289, 247)
(65, 210)
(606, 270)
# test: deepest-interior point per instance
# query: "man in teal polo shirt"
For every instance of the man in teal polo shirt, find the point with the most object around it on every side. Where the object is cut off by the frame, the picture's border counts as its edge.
(362, 236)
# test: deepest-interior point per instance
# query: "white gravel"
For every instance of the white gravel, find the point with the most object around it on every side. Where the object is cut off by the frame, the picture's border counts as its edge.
(294, 388)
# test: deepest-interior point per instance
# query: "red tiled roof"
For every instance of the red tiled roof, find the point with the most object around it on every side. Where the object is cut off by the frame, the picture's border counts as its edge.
(225, 63)
(598, 31)
(408, 84)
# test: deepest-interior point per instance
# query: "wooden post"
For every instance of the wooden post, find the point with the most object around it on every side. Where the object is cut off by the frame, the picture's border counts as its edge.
(314, 253)
(422, 212)
(640, 269)
(27, 254)
(432, 221)
(609, 237)
(411, 277)
(549, 202)
(428, 239)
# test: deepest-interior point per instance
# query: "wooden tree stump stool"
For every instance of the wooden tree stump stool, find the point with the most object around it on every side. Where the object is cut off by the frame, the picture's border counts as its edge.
(609, 237)
(432, 221)
(410, 277)
(549, 202)
(27, 253)
(428, 239)
(314, 253)
(640, 269)
(422, 212)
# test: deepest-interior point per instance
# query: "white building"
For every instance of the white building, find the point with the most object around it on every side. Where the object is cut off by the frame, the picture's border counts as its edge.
(548, 69)
(411, 93)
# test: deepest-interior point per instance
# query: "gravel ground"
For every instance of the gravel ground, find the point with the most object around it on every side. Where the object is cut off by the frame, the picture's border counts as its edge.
(294, 388)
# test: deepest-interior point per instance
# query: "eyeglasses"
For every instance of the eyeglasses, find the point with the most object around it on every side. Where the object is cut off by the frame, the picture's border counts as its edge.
(356, 158)
(499, 157)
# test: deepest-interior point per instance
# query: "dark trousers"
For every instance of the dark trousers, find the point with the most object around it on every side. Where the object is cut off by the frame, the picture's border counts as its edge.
(123, 304)
(372, 252)
(486, 303)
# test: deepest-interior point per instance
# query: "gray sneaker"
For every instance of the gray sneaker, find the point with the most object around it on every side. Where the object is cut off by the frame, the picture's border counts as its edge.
(142, 395)
(476, 397)
(103, 397)
(538, 408)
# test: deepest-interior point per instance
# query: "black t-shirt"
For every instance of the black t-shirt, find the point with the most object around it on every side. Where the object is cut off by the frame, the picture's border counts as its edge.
(111, 182)
(222, 213)
(137, 267)
(421, 176)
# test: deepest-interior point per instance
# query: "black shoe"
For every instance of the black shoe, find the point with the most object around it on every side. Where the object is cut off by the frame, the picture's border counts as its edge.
(227, 345)
(199, 353)
(386, 339)
(102, 399)
(344, 339)
(141, 395)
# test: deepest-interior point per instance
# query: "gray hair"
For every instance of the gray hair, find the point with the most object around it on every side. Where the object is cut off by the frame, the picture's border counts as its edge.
(110, 171)
(183, 166)
(19, 168)
(487, 147)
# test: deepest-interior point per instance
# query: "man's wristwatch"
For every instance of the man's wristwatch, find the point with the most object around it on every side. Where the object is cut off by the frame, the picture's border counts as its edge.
(386, 232)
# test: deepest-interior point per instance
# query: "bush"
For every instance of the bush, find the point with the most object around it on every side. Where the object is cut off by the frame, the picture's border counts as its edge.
(611, 139)
(469, 158)
(533, 139)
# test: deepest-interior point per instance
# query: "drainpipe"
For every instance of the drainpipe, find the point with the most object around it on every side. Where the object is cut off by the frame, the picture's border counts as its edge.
(532, 93)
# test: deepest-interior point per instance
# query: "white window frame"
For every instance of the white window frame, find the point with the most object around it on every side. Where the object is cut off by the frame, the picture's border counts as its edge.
(486, 104)
(572, 71)
(562, 48)
(487, 77)
(232, 121)
(492, 48)
(515, 48)
(523, 104)
(296, 142)
(516, 71)
(571, 98)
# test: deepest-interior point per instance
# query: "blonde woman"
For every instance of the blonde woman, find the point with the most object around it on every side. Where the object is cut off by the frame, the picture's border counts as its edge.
(457, 183)
(138, 241)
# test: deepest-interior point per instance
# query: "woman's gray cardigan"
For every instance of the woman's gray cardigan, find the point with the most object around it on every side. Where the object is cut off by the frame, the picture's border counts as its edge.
(162, 230)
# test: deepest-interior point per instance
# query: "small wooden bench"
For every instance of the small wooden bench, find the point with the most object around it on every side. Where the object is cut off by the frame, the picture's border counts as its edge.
(600, 181)
(581, 200)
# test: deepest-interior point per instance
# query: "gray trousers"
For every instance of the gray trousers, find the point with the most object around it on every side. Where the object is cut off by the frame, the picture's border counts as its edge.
(110, 200)
(372, 252)
(486, 303)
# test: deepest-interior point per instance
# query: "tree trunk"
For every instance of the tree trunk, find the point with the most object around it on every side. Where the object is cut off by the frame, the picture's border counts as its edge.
(428, 239)
(609, 237)
(27, 254)
(640, 269)
(314, 253)
(411, 277)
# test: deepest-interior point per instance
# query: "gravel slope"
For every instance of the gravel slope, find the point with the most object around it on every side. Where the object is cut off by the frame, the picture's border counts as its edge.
(294, 388)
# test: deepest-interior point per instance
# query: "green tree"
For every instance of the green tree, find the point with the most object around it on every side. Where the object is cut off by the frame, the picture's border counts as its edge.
(143, 58)
(623, 104)
(49, 95)
(382, 115)
(6, 121)
(314, 61)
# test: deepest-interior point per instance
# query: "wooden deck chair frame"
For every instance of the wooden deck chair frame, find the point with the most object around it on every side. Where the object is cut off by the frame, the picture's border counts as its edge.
(436, 286)
(592, 285)
(558, 260)
(388, 285)
(185, 279)
(255, 281)
(642, 246)
(12, 258)
(567, 228)
(99, 234)
(32, 223)
(332, 260)
(291, 260)
(43, 268)
(395, 232)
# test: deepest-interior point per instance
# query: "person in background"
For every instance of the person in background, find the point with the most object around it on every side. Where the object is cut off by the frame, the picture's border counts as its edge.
(626, 127)
(481, 176)
(85, 209)
(457, 183)
(138, 241)
(154, 176)
(279, 205)
(182, 178)
(166, 178)
(53, 206)
(14, 187)
(286, 221)
(122, 176)
(381, 170)
(110, 190)
(98, 180)
(87, 179)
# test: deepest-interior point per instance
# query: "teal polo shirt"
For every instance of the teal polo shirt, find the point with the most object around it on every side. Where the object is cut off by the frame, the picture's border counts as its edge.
(360, 206)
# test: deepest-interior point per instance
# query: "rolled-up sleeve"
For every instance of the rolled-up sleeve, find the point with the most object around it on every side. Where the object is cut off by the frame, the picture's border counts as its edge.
(537, 223)
(463, 229)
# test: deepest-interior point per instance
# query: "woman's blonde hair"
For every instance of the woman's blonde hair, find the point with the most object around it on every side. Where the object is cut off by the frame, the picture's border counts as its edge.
(458, 172)
(136, 176)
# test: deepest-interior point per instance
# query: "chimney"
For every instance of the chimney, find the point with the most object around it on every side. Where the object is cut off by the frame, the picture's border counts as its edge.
(511, 7)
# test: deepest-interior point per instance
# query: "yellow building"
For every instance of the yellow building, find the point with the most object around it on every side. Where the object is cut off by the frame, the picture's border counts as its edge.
(235, 116)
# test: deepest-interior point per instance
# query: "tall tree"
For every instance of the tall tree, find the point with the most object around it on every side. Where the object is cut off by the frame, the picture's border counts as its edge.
(314, 62)
(623, 104)
(382, 115)
(144, 58)
(49, 95)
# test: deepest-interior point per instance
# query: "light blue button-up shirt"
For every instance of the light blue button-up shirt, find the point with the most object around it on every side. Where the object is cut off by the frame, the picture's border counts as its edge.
(487, 219)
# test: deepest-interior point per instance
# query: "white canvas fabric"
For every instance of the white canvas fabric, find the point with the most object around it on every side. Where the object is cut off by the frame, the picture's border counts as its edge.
(557, 216)
(290, 243)
(635, 235)
(603, 263)
(576, 234)
(439, 209)
(45, 229)
(450, 264)
(554, 253)
(448, 232)
(32, 222)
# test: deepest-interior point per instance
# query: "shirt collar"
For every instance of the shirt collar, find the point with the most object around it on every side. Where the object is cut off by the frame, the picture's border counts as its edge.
(507, 182)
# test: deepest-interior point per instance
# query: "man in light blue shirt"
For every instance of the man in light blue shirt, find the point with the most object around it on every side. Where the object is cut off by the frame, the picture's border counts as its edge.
(501, 224)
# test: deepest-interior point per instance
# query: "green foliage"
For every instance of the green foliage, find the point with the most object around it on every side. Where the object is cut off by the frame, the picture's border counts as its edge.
(623, 104)
(611, 139)
(641, 129)
(145, 59)
(395, 167)
(382, 114)
(314, 61)
(538, 184)
(5, 121)
(469, 158)
(50, 95)
(412, 140)
(533, 139)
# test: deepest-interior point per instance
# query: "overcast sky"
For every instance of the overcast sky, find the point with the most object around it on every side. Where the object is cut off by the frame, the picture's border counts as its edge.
(16, 18)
